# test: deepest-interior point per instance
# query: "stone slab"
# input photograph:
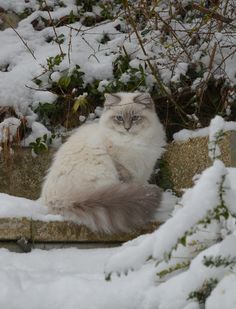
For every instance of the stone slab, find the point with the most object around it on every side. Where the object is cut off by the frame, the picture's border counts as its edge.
(187, 159)
(12, 229)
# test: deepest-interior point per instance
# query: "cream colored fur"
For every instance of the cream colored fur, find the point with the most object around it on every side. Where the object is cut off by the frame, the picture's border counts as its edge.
(101, 155)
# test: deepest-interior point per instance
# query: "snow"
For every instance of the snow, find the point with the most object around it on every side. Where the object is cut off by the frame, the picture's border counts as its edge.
(174, 292)
(38, 130)
(68, 278)
(216, 130)
(17, 6)
(18, 207)
(223, 296)
(185, 135)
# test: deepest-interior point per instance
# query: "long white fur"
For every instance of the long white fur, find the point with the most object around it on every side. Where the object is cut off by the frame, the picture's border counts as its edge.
(85, 163)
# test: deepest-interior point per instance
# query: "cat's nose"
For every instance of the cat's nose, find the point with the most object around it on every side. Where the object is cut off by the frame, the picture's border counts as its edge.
(127, 129)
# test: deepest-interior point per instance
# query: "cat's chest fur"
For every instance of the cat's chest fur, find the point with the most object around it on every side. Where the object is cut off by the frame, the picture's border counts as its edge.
(133, 157)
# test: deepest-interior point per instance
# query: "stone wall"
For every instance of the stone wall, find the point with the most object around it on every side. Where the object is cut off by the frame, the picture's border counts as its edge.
(22, 175)
(187, 159)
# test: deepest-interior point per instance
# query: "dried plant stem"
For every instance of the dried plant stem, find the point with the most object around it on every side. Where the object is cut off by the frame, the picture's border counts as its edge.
(22, 40)
(54, 28)
(213, 14)
(175, 36)
(151, 67)
(204, 87)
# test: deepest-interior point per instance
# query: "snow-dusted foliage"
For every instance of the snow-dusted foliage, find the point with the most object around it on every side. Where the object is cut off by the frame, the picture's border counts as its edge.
(183, 52)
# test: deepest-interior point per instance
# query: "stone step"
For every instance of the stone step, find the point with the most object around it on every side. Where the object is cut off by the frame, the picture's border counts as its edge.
(58, 233)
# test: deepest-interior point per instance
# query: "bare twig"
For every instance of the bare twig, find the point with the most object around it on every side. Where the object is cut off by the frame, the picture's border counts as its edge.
(53, 27)
(22, 40)
(211, 13)
(151, 67)
(69, 45)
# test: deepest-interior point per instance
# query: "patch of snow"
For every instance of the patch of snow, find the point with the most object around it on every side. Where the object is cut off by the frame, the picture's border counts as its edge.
(216, 130)
(38, 130)
(18, 207)
(185, 134)
(181, 69)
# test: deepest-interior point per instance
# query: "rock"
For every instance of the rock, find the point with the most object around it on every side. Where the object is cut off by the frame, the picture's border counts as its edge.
(187, 159)
(22, 174)
(8, 19)
(13, 229)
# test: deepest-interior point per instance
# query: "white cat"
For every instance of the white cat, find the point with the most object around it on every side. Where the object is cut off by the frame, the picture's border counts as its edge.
(99, 177)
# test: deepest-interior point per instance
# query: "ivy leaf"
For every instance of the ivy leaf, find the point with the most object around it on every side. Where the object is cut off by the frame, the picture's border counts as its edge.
(183, 240)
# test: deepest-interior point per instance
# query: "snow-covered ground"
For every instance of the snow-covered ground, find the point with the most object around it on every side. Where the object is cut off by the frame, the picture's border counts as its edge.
(66, 279)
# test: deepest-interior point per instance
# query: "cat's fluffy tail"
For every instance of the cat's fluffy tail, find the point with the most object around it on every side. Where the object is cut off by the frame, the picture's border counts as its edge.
(115, 209)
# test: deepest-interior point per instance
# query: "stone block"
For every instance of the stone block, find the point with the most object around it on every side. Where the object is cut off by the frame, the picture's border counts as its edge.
(187, 159)
(12, 229)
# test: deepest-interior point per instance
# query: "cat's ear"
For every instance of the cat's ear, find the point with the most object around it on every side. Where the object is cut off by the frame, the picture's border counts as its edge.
(111, 100)
(144, 99)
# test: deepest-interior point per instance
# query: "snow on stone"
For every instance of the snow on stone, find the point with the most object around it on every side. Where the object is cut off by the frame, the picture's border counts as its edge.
(18, 207)
(217, 125)
(216, 130)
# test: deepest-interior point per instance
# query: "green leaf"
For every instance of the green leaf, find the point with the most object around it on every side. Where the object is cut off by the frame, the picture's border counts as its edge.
(183, 240)
(64, 82)
(80, 102)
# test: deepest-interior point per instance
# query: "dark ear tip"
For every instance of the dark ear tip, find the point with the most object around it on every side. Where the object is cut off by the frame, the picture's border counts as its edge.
(111, 99)
(144, 98)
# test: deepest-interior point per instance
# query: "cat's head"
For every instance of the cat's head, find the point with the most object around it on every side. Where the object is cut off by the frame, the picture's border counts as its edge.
(128, 113)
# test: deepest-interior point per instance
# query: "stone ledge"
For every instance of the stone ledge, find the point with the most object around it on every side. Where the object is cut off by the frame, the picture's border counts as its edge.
(12, 229)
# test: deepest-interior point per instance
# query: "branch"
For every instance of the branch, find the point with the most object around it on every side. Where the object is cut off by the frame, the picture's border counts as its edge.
(206, 11)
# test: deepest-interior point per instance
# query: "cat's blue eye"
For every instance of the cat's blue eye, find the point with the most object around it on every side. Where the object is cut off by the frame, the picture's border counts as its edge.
(136, 118)
(119, 118)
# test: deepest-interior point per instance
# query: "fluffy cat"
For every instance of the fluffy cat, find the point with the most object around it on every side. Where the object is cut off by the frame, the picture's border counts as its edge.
(99, 177)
